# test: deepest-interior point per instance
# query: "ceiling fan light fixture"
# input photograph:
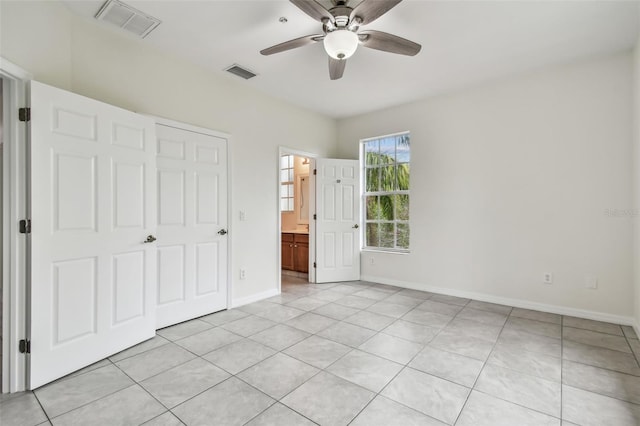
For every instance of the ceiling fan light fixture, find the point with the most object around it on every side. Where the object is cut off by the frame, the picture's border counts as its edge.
(341, 43)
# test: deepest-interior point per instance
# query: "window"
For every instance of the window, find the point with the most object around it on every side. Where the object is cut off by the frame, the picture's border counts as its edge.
(385, 163)
(286, 183)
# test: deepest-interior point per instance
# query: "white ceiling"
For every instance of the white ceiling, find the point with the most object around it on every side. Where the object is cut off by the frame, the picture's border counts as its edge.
(463, 43)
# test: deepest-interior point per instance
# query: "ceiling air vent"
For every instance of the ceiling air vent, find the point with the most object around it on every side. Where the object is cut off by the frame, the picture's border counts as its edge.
(127, 18)
(236, 69)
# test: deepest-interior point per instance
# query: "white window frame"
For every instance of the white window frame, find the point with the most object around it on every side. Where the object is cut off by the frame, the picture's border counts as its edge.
(364, 194)
(289, 183)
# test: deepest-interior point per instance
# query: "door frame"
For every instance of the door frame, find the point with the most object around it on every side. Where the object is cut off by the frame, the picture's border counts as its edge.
(15, 207)
(196, 129)
(283, 150)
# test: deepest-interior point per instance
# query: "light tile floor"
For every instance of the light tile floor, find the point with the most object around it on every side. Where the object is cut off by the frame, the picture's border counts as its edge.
(356, 353)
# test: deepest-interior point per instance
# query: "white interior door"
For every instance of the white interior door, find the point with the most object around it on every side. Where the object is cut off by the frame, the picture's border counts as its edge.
(337, 228)
(192, 224)
(92, 203)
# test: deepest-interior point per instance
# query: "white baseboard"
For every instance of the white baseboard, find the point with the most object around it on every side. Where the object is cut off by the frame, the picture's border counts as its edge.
(517, 303)
(636, 327)
(254, 297)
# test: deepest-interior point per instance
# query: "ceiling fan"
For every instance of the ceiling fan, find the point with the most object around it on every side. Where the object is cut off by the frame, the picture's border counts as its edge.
(341, 32)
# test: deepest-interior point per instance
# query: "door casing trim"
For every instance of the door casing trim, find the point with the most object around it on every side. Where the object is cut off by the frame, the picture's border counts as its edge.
(15, 198)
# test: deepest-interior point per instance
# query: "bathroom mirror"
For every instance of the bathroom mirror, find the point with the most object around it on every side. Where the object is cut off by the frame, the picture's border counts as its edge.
(303, 199)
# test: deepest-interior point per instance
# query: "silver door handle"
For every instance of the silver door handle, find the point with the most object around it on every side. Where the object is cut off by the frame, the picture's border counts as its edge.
(222, 232)
(149, 239)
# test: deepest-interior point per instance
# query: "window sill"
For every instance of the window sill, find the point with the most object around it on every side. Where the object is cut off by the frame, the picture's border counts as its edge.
(384, 250)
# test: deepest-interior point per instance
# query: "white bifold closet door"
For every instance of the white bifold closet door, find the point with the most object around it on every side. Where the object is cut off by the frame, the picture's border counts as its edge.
(93, 201)
(192, 223)
(337, 223)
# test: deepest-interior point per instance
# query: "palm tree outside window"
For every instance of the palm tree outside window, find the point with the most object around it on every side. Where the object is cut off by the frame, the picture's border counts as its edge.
(386, 166)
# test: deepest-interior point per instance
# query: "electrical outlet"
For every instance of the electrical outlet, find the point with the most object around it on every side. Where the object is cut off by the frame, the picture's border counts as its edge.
(243, 274)
(591, 282)
(243, 216)
(547, 278)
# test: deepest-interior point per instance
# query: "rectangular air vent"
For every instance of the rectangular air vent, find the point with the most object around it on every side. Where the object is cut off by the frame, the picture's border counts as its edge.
(236, 69)
(126, 17)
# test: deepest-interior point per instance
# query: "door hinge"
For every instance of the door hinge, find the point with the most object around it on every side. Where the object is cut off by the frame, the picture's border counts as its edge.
(25, 226)
(314, 217)
(25, 346)
(315, 172)
(24, 114)
(314, 264)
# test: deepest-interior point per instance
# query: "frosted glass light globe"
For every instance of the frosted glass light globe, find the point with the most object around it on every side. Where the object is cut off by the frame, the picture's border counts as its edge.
(341, 44)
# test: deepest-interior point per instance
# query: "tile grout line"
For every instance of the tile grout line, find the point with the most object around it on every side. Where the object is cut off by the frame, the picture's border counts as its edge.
(405, 366)
(320, 370)
(196, 357)
(351, 349)
(42, 408)
(337, 360)
(198, 394)
(561, 365)
(168, 341)
(636, 356)
(89, 402)
(484, 364)
(277, 400)
(162, 414)
(511, 402)
(562, 384)
(249, 384)
(149, 393)
(271, 356)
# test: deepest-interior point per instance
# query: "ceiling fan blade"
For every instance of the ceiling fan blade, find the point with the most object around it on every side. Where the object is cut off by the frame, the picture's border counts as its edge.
(313, 9)
(370, 10)
(336, 68)
(388, 43)
(292, 44)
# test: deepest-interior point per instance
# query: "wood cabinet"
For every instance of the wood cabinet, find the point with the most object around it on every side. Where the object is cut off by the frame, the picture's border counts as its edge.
(287, 252)
(301, 252)
(295, 252)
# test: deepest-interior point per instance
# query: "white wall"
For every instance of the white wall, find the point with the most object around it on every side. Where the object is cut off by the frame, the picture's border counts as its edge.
(636, 180)
(511, 180)
(79, 55)
(38, 36)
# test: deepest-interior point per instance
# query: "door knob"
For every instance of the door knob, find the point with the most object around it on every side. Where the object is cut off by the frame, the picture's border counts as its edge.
(356, 226)
(150, 239)
(222, 232)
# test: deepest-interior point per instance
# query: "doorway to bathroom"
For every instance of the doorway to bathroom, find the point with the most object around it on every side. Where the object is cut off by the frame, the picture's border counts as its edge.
(296, 199)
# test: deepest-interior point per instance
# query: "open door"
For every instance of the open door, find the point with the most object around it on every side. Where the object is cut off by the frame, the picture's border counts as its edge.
(337, 220)
(93, 270)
